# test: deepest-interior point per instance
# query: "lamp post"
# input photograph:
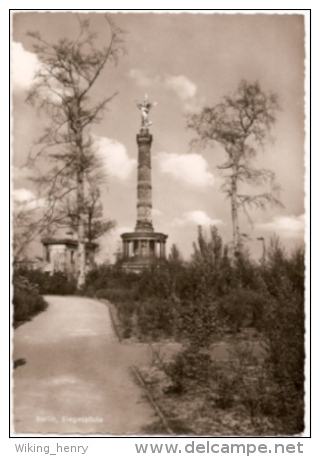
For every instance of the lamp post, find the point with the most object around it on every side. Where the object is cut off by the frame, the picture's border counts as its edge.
(261, 238)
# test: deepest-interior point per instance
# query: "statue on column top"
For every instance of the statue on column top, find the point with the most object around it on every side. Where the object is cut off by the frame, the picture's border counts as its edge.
(145, 107)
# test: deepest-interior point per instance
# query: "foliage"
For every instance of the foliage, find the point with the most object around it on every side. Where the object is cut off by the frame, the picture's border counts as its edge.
(187, 367)
(241, 308)
(211, 264)
(155, 318)
(213, 296)
(57, 283)
(209, 300)
(201, 302)
(199, 323)
(27, 302)
(105, 276)
(284, 332)
(175, 257)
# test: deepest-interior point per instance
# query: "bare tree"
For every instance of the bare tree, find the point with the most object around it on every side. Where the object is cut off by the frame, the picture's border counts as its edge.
(68, 71)
(241, 124)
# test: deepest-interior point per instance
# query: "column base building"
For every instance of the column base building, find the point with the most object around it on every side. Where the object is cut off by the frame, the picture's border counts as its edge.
(143, 250)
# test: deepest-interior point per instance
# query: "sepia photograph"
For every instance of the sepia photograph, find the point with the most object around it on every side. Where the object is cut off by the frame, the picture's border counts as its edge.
(159, 192)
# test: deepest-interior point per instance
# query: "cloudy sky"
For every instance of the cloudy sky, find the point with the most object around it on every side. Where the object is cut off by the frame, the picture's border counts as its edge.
(183, 61)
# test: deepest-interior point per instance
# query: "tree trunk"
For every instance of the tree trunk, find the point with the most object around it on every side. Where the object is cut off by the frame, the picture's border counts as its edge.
(80, 209)
(234, 213)
(81, 232)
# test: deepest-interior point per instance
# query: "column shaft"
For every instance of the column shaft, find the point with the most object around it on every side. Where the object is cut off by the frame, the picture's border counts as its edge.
(144, 197)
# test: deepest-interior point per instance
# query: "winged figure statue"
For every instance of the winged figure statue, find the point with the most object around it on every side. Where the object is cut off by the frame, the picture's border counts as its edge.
(145, 108)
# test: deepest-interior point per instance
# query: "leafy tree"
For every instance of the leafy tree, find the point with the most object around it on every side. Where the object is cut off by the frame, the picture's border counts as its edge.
(95, 225)
(175, 256)
(208, 251)
(63, 84)
(241, 124)
(210, 262)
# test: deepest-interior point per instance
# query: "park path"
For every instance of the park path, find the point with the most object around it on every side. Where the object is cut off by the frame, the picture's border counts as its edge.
(73, 375)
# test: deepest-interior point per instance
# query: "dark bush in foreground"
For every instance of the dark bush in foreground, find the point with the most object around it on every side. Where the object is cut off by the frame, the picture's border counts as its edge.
(284, 332)
(57, 283)
(27, 302)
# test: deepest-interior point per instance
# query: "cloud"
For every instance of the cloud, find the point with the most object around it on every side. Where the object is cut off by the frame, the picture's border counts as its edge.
(184, 89)
(189, 168)
(26, 200)
(22, 195)
(195, 218)
(156, 212)
(287, 226)
(21, 173)
(142, 79)
(24, 66)
(115, 158)
(182, 86)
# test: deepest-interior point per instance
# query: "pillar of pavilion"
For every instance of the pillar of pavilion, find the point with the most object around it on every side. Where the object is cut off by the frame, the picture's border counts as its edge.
(144, 247)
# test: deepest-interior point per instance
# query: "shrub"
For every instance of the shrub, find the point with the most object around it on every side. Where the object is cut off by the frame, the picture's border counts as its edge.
(26, 301)
(105, 276)
(241, 308)
(188, 365)
(198, 322)
(91, 292)
(57, 283)
(155, 283)
(225, 389)
(123, 302)
(155, 318)
(284, 333)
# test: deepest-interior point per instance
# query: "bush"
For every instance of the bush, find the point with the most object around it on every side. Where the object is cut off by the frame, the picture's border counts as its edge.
(284, 333)
(155, 318)
(125, 306)
(105, 277)
(26, 301)
(115, 294)
(186, 366)
(241, 308)
(198, 322)
(225, 389)
(57, 283)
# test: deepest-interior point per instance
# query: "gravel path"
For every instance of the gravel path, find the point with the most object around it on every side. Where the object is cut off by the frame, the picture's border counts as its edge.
(73, 376)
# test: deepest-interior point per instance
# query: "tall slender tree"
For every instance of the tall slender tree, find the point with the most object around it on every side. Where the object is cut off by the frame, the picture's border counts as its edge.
(241, 124)
(67, 74)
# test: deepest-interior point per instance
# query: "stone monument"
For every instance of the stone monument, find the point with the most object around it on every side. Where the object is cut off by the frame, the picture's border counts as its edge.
(144, 247)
